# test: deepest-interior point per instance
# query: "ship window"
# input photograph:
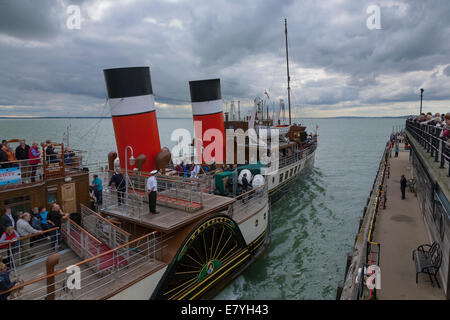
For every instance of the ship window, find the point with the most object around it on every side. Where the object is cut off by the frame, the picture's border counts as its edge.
(281, 178)
(18, 204)
(286, 175)
(291, 172)
(273, 180)
(51, 197)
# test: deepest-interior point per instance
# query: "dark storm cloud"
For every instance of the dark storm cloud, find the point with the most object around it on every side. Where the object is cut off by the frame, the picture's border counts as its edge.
(29, 19)
(335, 58)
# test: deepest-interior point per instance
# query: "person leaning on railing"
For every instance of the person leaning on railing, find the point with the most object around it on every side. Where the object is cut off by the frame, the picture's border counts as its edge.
(9, 236)
(22, 152)
(10, 154)
(3, 157)
(54, 218)
(24, 229)
(445, 134)
(35, 159)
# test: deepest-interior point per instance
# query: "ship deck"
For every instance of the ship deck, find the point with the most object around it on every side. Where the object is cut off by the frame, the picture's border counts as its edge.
(400, 229)
(169, 219)
(94, 285)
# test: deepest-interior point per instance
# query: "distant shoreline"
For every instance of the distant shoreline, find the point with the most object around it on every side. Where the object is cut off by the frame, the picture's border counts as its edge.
(49, 118)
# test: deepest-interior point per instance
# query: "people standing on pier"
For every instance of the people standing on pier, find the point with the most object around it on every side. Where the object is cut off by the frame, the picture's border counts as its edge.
(120, 184)
(152, 189)
(396, 150)
(403, 183)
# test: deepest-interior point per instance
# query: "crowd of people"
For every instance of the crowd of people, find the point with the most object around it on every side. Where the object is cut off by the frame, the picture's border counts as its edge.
(29, 158)
(193, 170)
(437, 120)
(24, 230)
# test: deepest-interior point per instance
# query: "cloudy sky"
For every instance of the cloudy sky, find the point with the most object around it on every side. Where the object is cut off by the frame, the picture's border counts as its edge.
(339, 66)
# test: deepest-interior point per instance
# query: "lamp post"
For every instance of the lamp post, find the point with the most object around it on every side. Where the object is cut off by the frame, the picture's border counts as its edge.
(132, 161)
(421, 98)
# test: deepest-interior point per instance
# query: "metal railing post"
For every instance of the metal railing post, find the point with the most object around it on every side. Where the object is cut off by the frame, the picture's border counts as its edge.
(69, 240)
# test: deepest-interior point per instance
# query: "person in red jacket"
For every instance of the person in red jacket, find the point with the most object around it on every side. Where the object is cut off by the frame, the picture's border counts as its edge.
(6, 240)
(35, 159)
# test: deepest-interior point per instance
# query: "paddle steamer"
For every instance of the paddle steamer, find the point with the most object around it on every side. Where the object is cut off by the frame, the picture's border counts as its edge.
(204, 235)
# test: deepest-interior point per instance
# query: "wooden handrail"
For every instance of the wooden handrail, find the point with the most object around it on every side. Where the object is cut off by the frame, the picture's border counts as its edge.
(17, 161)
(106, 220)
(34, 234)
(30, 236)
(77, 264)
(83, 230)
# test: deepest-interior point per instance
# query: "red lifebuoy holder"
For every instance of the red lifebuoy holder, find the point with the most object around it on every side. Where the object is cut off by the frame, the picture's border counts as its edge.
(132, 106)
(207, 108)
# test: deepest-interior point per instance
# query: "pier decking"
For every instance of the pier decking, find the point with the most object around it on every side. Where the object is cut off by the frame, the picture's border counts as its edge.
(400, 228)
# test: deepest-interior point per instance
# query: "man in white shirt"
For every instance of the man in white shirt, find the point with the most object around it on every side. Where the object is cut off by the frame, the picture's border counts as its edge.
(25, 229)
(152, 189)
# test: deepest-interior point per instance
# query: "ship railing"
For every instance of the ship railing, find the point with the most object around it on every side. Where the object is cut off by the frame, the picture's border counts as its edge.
(430, 139)
(250, 200)
(103, 229)
(82, 243)
(176, 192)
(29, 249)
(365, 257)
(19, 173)
(295, 157)
(144, 258)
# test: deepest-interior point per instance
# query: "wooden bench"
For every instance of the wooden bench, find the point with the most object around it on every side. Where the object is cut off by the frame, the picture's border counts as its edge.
(427, 259)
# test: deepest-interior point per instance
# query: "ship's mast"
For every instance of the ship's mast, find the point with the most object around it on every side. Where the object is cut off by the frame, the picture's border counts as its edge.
(287, 68)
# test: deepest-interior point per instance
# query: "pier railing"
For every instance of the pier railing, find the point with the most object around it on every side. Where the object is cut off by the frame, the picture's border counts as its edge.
(430, 138)
(366, 253)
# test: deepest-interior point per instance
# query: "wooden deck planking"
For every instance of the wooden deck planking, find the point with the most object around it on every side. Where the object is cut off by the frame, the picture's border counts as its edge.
(170, 219)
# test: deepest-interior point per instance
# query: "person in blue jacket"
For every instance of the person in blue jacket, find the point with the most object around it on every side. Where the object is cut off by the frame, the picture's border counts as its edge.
(5, 281)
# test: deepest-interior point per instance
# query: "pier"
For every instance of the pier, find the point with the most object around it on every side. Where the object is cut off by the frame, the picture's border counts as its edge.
(381, 265)
(400, 229)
